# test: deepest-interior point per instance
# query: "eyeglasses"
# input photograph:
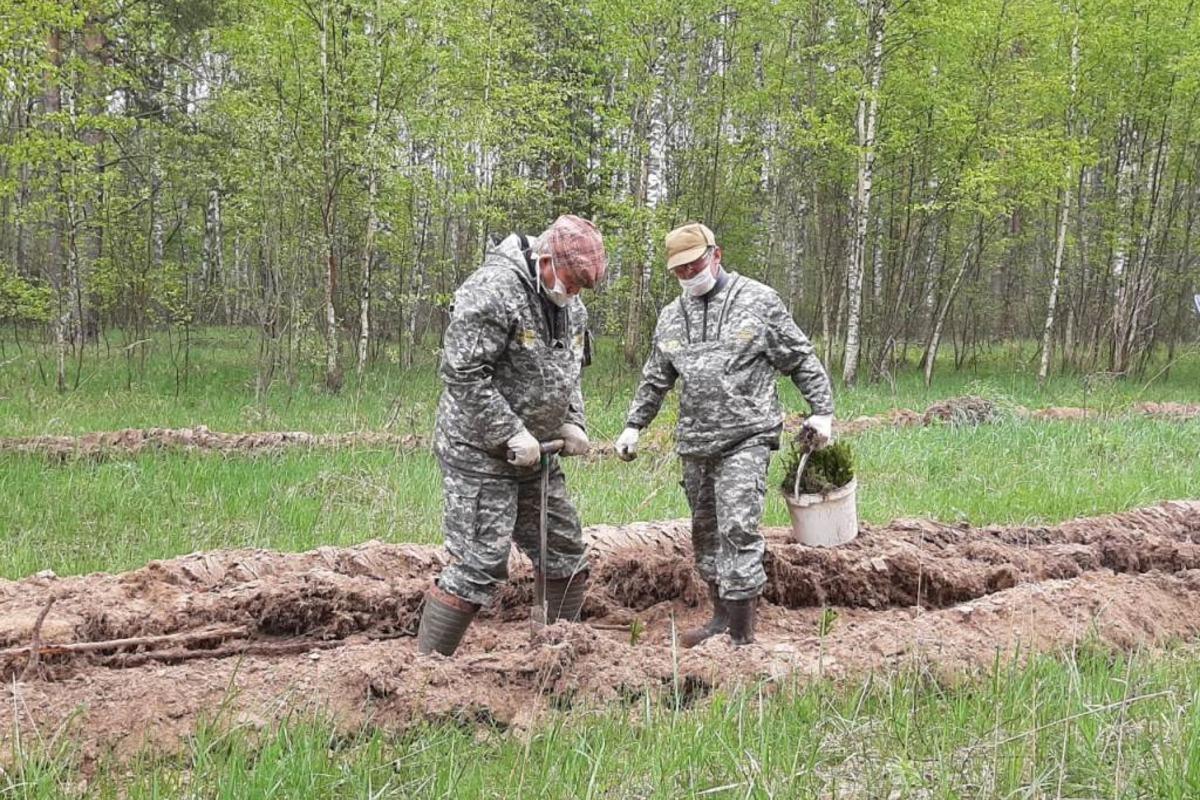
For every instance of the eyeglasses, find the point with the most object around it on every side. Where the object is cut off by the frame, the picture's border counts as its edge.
(692, 268)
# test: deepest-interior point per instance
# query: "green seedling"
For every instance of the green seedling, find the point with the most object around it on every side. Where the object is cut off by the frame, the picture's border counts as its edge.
(637, 629)
(826, 622)
(827, 469)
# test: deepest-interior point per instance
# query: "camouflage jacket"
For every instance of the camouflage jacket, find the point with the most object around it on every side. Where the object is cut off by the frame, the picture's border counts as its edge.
(510, 360)
(726, 349)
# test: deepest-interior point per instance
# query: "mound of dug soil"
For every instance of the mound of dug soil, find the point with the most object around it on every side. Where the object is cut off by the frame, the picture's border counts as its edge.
(136, 440)
(252, 634)
(968, 410)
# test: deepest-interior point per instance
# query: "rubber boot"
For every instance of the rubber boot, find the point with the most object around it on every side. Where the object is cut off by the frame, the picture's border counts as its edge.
(741, 620)
(718, 624)
(443, 622)
(564, 598)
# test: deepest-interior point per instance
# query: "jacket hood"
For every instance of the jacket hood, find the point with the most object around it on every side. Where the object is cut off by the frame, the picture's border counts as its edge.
(508, 254)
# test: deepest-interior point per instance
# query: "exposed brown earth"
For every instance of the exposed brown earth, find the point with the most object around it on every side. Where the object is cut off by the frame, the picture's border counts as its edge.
(136, 440)
(254, 634)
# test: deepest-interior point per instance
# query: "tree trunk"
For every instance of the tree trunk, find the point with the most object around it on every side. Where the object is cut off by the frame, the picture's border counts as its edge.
(333, 372)
(364, 300)
(935, 335)
(1060, 241)
(1126, 174)
(654, 192)
(860, 203)
(1060, 238)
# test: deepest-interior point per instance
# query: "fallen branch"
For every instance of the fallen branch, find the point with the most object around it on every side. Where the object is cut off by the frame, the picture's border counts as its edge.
(31, 667)
(122, 660)
(37, 649)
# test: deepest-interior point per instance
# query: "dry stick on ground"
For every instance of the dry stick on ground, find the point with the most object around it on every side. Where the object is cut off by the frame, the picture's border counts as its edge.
(244, 649)
(111, 644)
(35, 643)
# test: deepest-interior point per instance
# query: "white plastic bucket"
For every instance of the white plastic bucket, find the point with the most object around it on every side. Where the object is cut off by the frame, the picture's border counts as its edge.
(824, 520)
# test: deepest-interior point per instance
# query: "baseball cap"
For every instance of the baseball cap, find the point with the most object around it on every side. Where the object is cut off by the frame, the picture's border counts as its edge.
(687, 243)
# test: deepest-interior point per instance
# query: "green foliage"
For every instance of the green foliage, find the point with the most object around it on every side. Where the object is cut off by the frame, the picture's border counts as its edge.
(438, 125)
(23, 299)
(827, 469)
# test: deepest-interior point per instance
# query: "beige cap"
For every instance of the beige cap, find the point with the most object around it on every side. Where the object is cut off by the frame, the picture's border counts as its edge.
(687, 243)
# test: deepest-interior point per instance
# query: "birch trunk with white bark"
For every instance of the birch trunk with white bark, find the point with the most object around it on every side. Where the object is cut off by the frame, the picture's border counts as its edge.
(868, 107)
(1060, 237)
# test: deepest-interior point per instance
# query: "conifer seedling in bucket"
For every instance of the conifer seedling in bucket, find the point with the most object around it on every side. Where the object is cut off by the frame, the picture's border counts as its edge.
(820, 491)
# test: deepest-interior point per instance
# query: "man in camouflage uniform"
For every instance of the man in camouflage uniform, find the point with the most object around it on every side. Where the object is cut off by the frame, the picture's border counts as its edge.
(725, 339)
(511, 361)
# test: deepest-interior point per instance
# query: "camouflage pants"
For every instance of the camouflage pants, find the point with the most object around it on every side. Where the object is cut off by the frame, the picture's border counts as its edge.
(484, 516)
(726, 494)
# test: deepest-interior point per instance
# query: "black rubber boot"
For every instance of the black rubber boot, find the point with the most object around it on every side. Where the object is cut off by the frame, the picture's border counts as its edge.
(443, 622)
(718, 624)
(741, 619)
(564, 598)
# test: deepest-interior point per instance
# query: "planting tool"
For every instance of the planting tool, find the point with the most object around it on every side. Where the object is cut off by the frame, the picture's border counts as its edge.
(540, 610)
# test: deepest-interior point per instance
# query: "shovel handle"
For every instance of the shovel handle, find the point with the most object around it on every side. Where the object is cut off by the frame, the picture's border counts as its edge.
(548, 449)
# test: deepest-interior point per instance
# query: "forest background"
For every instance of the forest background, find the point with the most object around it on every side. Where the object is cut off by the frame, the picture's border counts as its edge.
(915, 178)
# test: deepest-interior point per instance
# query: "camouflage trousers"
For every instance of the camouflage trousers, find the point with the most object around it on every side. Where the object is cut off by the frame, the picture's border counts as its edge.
(484, 516)
(726, 494)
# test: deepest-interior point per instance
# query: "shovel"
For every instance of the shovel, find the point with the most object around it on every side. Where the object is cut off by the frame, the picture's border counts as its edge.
(540, 609)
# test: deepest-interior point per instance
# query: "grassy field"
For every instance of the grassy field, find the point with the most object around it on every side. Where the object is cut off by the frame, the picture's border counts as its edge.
(1084, 725)
(219, 392)
(124, 512)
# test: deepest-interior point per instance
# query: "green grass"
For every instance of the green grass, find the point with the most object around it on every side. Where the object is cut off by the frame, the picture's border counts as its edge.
(117, 514)
(219, 392)
(1089, 724)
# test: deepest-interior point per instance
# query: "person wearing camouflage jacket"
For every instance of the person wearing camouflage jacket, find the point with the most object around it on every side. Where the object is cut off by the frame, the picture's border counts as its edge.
(725, 339)
(511, 361)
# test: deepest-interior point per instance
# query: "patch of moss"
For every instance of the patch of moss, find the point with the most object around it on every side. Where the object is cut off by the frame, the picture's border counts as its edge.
(827, 469)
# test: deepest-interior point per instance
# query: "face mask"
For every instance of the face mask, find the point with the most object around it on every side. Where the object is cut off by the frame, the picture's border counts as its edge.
(700, 284)
(557, 293)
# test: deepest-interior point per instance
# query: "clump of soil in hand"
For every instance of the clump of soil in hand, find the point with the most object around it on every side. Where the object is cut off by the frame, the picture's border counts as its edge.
(827, 469)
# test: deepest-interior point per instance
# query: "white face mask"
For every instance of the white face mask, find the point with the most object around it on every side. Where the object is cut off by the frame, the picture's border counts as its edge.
(700, 284)
(557, 293)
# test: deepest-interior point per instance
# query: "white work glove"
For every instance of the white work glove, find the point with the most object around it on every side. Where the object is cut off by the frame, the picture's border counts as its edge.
(820, 428)
(526, 450)
(575, 440)
(627, 444)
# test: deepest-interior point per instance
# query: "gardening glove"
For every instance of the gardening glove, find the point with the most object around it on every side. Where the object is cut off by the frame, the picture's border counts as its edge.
(575, 440)
(819, 429)
(627, 444)
(525, 449)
